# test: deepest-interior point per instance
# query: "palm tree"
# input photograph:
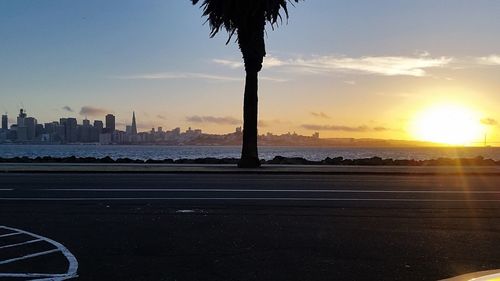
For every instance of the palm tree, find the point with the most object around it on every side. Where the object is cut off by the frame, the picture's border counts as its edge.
(246, 18)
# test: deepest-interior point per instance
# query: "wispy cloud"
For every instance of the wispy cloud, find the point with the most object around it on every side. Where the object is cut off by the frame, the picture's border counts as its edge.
(320, 115)
(269, 62)
(341, 128)
(161, 117)
(93, 111)
(67, 108)
(229, 63)
(269, 123)
(228, 120)
(191, 75)
(489, 122)
(177, 75)
(416, 66)
(489, 60)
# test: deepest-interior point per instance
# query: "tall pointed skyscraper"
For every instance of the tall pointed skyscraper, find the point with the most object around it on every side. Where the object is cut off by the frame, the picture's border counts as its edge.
(134, 125)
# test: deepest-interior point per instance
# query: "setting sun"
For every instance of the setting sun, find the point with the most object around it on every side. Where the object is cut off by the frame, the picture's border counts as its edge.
(448, 124)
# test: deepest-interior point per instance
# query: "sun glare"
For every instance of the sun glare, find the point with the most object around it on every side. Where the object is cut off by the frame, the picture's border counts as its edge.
(448, 124)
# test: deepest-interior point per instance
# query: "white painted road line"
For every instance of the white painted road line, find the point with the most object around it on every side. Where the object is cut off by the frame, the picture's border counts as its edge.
(243, 199)
(22, 243)
(272, 190)
(28, 256)
(10, 234)
(6, 189)
(72, 262)
(42, 276)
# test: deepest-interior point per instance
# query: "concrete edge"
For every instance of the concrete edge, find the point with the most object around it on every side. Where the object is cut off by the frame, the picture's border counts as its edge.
(232, 169)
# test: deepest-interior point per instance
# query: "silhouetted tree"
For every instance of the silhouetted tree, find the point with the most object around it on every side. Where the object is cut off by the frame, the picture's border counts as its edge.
(246, 18)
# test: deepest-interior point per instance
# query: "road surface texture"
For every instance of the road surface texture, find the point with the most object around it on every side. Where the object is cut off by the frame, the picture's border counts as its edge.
(154, 226)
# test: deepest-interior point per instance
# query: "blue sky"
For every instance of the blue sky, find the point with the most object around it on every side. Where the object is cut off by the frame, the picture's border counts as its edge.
(360, 62)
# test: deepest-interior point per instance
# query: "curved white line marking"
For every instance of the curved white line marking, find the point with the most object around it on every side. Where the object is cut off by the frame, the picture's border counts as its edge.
(72, 267)
(22, 243)
(29, 256)
(10, 234)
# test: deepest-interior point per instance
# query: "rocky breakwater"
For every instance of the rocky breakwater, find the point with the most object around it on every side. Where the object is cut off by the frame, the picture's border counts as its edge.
(278, 160)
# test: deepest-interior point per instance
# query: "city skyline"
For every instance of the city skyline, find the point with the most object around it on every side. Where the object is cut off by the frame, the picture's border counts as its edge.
(27, 130)
(106, 118)
(369, 78)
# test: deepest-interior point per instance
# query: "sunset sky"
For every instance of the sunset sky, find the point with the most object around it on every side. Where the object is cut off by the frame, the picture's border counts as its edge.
(357, 68)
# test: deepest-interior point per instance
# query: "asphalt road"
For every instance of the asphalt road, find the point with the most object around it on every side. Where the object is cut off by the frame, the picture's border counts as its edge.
(260, 226)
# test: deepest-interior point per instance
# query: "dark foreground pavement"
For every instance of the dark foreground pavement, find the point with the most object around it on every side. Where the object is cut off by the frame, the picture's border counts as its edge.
(258, 226)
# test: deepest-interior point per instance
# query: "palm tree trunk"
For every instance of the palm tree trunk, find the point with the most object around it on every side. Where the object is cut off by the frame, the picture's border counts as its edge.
(249, 152)
(253, 48)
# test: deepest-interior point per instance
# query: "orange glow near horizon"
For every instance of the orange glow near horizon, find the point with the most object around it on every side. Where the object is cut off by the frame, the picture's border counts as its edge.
(448, 124)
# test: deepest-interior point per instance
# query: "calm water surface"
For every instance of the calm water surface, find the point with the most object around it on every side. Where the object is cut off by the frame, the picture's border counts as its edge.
(177, 152)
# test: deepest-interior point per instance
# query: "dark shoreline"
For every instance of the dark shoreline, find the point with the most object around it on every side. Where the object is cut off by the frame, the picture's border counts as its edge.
(278, 160)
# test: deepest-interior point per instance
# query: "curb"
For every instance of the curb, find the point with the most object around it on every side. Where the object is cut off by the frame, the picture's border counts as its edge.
(265, 169)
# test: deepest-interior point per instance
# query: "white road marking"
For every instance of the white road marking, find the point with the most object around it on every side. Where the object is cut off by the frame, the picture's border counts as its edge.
(22, 243)
(29, 256)
(185, 211)
(10, 234)
(44, 276)
(6, 189)
(272, 190)
(242, 199)
(72, 262)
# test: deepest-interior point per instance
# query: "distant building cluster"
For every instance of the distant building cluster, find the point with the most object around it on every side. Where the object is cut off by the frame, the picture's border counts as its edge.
(66, 130)
(27, 130)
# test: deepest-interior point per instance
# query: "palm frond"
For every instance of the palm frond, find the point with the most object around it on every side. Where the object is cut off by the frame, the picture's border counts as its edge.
(231, 15)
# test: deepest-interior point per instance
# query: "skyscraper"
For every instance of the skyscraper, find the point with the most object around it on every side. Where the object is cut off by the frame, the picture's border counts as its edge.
(99, 126)
(85, 131)
(22, 130)
(30, 124)
(21, 117)
(5, 122)
(96, 130)
(61, 129)
(134, 125)
(110, 123)
(71, 130)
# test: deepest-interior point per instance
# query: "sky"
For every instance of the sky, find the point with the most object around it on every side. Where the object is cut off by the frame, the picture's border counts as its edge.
(357, 68)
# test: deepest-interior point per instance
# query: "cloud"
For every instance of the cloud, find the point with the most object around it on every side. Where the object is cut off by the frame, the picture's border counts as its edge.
(340, 128)
(489, 60)
(269, 62)
(378, 65)
(161, 117)
(177, 75)
(489, 122)
(191, 75)
(229, 63)
(67, 108)
(213, 119)
(381, 129)
(320, 115)
(272, 79)
(93, 111)
(268, 123)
